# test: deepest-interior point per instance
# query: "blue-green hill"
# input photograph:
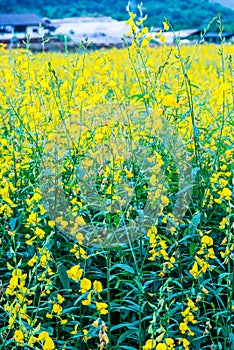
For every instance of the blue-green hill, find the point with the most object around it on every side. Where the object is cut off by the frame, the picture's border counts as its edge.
(182, 13)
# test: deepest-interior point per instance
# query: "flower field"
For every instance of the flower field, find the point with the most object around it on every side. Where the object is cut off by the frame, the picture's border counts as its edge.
(116, 197)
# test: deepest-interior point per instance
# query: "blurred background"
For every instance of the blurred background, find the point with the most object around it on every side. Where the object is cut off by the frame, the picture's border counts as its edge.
(103, 21)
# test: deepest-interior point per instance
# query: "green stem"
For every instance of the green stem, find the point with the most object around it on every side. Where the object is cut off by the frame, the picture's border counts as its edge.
(108, 266)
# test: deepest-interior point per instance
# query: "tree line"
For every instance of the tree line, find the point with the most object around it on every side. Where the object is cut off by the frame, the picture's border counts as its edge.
(182, 14)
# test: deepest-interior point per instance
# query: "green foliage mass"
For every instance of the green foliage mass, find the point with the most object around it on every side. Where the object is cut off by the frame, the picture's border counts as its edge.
(181, 13)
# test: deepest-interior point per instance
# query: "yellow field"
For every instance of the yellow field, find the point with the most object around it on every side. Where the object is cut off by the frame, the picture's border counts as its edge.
(150, 268)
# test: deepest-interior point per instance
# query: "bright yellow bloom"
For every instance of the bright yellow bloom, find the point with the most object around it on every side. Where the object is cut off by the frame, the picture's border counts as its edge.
(48, 343)
(32, 261)
(165, 26)
(149, 345)
(32, 340)
(63, 322)
(57, 309)
(85, 285)
(226, 193)
(185, 312)
(95, 323)
(88, 300)
(192, 305)
(161, 346)
(102, 308)
(170, 343)
(75, 329)
(206, 240)
(39, 232)
(33, 219)
(60, 298)
(194, 271)
(19, 336)
(97, 285)
(183, 327)
(169, 101)
(75, 273)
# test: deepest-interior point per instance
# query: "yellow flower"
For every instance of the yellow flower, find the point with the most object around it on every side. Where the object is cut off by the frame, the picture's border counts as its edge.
(42, 209)
(60, 298)
(102, 308)
(75, 329)
(43, 335)
(57, 309)
(194, 271)
(226, 193)
(185, 343)
(161, 346)
(80, 221)
(170, 343)
(33, 219)
(192, 305)
(80, 237)
(39, 232)
(169, 101)
(80, 252)
(211, 254)
(162, 39)
(190, 332)
(190, 318)
(43, 260)
(19, 336)
(183, 327)
(95, 323)
(64, 321)
(85, 331)
(85, 284)
(32, 340)
(51, 223)
(75, 273)
(185, 312)
(32, 261)
(206, 240)
(97, 285)
(165, 26)
(149, 345)
(30, 241)
(223, 223)
(87, 301)
(145, 30)
(48, 344)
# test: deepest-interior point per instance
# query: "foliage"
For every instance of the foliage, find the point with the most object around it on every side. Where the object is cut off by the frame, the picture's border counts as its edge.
(171, 287)
(182, 14)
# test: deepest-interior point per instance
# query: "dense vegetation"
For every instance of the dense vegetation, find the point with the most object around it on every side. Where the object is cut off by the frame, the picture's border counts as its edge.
(183, 14)
(131, 146)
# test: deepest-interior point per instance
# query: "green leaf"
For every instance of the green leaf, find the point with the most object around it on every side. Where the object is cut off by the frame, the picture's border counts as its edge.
(126, 324)
(123, 267)
(62, 271)
(12, 223)
(192, 248)
(126, 335)
(194, 223)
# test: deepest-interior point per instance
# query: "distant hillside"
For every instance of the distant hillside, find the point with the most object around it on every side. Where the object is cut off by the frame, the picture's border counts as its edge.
(226, 3)
(182, 13)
